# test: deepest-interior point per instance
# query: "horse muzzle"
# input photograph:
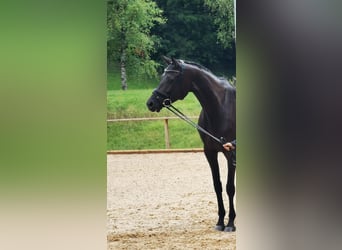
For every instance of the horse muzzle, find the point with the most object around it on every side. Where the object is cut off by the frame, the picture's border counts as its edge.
(155, 102)
(152, 105)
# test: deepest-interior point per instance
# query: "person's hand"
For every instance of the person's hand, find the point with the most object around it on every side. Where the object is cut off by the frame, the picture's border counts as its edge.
(228, 146)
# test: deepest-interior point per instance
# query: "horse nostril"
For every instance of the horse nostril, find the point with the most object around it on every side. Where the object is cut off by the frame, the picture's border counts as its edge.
(150, 105)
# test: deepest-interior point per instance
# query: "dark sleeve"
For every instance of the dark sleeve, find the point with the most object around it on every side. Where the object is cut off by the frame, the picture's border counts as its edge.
(233, 143)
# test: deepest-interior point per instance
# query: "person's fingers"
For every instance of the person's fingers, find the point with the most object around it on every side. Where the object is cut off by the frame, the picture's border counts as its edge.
(228, 146)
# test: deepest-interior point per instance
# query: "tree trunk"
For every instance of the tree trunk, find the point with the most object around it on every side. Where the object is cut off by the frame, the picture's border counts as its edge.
(123, 70)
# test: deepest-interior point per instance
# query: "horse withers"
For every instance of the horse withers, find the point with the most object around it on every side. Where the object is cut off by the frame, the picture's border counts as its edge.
(218, 118)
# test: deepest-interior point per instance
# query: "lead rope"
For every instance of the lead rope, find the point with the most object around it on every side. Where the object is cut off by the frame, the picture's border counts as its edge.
(167, 104)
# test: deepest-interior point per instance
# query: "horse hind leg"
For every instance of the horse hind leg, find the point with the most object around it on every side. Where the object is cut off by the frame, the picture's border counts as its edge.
(230, 188)
(212, 159)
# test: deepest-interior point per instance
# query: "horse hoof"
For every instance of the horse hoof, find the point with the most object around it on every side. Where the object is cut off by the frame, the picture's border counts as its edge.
(230, 229)
(219, 228)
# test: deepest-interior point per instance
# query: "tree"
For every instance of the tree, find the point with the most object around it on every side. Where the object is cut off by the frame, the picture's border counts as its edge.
(190, 33)
(223, 13)
(128, 39)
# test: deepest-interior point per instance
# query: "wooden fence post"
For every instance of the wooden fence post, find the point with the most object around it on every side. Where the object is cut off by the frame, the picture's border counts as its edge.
(166, 131)
(166, 125)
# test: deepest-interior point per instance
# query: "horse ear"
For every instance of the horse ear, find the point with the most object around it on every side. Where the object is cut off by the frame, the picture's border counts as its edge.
(167, 60)
(175, 62)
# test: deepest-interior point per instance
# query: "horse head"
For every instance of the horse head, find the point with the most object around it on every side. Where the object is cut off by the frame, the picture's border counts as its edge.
(172, 86)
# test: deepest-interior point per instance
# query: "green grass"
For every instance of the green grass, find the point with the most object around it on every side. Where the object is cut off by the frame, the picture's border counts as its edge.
(146, 134)
(132, 104)
(150, 135)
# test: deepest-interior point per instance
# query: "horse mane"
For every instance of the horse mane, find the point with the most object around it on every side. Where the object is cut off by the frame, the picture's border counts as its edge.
(198, 65)
(221, 78)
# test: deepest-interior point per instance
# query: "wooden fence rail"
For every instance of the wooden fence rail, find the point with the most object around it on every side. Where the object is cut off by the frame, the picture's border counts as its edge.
(166, 124)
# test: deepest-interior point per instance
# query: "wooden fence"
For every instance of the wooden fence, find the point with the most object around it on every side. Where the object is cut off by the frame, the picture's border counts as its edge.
(166, 124)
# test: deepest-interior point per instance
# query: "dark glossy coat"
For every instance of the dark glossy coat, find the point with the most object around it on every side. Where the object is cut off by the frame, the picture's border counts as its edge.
(218, 116)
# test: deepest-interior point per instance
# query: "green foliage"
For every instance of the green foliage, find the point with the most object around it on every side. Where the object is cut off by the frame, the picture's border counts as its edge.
(128, 24)
(191, 33)
(134, 81)
(223, 13)
(197, 30)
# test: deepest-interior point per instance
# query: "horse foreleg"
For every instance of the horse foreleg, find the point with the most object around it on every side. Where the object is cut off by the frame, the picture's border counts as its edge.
(230, 188)
(212, 159)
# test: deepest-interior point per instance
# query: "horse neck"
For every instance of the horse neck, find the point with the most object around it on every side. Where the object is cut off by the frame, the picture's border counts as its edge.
(208, 90)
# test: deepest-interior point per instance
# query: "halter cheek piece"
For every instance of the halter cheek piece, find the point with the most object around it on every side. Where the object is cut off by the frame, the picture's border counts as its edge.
(163, 98)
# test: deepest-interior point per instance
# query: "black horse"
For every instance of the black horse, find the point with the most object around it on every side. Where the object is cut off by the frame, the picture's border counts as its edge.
(217, 98)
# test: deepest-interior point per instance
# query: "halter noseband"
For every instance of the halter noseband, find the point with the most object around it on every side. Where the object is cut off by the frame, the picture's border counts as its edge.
(162, 98)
